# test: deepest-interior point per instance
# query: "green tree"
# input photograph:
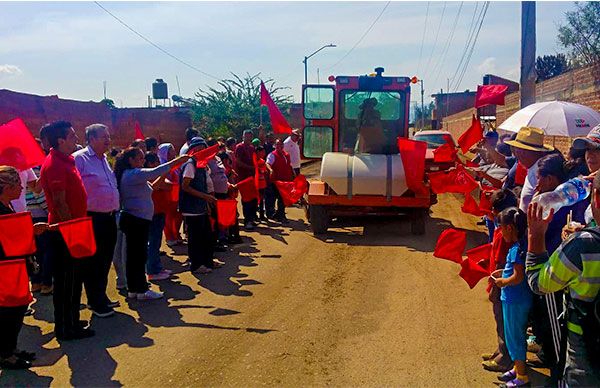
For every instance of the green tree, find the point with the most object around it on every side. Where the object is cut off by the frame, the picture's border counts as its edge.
(108, 102)
(234, 106)
(549, 66)
(581, 35)
(423, 116)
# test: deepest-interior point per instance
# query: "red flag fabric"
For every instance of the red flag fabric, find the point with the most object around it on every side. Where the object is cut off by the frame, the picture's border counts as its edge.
(481, 252)
(471, 136)
(226, 212)
(291, 192)
(412, 153)
(16, 234)
(457, 180)
(14, 283)
(278, 122)
(520, 174)
(79, 237)
(18, 147)
(247, 189)
(470, 206)
(444, 154)
(472, 272)
(138, 131)
(450, 245)
(485, 199)
(203, 156)
(490, 95)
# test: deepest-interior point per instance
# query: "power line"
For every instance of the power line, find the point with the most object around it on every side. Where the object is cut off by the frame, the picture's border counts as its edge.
(155, 45)
(423, 38)
(437, 34)
(442, 58)
(474, 21)
(487, 4)
(361, 38)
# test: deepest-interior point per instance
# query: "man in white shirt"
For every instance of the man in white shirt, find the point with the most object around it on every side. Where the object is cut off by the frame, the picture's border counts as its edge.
(190, 133)
(291, 146)
(529, 147)
(28, 180)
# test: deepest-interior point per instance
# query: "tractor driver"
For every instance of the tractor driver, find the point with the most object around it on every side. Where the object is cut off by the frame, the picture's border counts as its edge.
(370, 129)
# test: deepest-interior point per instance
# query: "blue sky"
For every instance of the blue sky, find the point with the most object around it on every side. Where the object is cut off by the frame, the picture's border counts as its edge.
(70, 48)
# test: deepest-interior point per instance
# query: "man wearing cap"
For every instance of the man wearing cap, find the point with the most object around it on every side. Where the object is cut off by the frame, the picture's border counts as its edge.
(529, 147)
(591, 145)
(194, 198)
(290, 145)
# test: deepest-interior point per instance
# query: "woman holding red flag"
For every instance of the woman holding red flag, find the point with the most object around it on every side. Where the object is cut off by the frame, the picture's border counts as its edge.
(12, 308)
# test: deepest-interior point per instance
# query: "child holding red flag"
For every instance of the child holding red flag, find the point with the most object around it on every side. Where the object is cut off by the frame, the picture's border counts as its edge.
(262, 177)
(13, 302)
(515, 295)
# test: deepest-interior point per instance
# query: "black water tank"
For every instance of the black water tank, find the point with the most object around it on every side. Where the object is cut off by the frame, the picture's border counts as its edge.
(159, 90)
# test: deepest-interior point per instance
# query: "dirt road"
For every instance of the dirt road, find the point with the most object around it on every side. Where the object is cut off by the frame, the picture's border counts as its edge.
(359, 307)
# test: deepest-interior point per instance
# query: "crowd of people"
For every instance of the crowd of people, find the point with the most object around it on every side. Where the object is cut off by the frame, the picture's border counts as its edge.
(545, 268)
(133, 196)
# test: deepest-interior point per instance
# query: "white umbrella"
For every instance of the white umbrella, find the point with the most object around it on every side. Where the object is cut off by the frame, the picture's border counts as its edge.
(555, 118)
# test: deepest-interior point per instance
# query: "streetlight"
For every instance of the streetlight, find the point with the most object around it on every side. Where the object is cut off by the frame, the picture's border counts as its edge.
(305, 61)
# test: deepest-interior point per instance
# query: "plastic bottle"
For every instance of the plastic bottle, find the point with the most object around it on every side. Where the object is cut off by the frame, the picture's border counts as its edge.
(572, 191)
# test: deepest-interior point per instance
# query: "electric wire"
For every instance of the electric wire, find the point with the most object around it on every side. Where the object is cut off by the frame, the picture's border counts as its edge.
(437, 34)
(155, 45)
(437, 68)
(486, 6)
(423, 39)
(467, 43)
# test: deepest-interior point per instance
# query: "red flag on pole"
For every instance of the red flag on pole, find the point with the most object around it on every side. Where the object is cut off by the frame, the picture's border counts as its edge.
(14, 283)
(472, 272)
(412, 153)
(444, 154)
(457, 180)
(16, 234)
(138, 131)
(79, 237)
(485, 200)
(203, 156)
(291, 192)
(479, 253)
(451, 245)
(471, 136)
(278, 122)
(247, 189)
(18, 147)
(490, 95)
(471, 207)
(520, 174)
(226, 212)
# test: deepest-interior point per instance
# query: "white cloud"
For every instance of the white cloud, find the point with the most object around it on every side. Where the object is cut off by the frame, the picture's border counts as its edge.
(10, 70)
(488, 66)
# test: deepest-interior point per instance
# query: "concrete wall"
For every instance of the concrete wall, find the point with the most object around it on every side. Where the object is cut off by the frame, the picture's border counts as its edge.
(167, 124)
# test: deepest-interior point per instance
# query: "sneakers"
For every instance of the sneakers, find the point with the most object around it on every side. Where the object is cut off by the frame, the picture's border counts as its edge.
(150, 295)
(103, 312)
(202, 270)
(159, 276)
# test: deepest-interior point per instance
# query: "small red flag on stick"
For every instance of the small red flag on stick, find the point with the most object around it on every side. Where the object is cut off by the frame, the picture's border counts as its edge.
(444, 154)
(14, 283)
(412, 153)
(471, 136)
(291, 192)
(278, 122)
(79, 237)
(203, 156)
(451, 245)
(16, 234)
(472, 272)
(18, 148)
(457, 180)
(247, 189)
(226, 212)
(138, 131)
(490, 95)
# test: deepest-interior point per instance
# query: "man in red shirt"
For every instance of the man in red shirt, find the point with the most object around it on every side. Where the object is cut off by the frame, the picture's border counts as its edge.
(244, 168)
(280, 167)
(67, 200)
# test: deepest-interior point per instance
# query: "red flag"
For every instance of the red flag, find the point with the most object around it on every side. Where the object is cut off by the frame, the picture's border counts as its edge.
(226, 212)
(490, 95)
(520, 174)
(444, 154)
(79, 237)
(14, 283)
(471, 207)
(291, 192)
(138, 131)
(450, 245)
(472, 272)
(469, 163)
(247, 189)
(412, 153)
(203, 156)
(454, 181)
(471, 136)
(278, 122)
(485, 199)
(481, 252)
(16, 234)
(18, 148)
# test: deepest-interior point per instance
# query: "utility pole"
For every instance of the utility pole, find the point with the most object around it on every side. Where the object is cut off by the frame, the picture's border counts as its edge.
(104, 87)
(422, 105)
(528, 74)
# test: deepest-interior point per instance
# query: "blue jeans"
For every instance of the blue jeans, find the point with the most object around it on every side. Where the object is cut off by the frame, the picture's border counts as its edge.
(153, 265)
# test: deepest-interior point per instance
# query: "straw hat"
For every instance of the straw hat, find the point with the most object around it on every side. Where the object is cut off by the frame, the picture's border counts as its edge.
(531, 139)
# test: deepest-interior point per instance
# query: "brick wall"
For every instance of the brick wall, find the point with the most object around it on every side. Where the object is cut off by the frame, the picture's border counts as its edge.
(581, 86)
(167, 124)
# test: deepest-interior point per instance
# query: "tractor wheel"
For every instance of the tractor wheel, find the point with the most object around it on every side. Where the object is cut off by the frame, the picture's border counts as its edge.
(417, 221)
(319, 220)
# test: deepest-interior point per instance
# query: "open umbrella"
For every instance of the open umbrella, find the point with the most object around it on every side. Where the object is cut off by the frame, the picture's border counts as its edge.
(555, 118)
